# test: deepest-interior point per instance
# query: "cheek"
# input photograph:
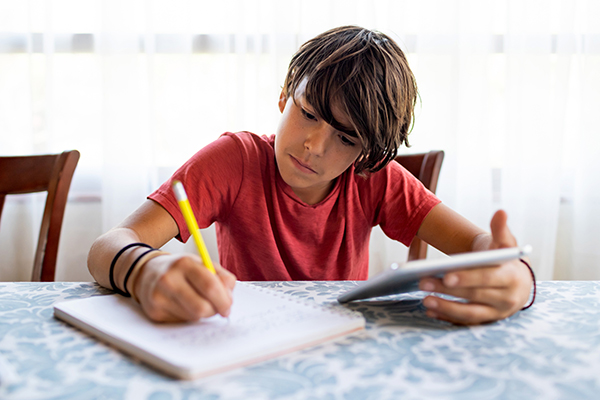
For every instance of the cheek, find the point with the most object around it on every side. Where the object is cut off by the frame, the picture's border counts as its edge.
(346, 159)
(353, 155)
(286, 134)
(278, 147)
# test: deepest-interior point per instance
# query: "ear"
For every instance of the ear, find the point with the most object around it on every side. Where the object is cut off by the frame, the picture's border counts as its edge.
(282, 101)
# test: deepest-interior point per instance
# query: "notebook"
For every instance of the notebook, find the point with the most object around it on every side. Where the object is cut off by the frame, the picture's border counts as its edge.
(262, 324)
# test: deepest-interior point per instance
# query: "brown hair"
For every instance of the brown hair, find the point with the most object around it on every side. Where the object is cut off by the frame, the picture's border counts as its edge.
(366, 74)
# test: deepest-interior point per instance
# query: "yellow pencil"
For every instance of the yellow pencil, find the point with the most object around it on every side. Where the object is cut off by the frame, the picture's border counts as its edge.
(192, 225)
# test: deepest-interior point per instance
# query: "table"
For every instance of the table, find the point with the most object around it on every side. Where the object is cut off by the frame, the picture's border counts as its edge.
(550, 351)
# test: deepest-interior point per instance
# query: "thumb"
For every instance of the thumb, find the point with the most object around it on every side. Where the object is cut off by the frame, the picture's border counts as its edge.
(501, 235)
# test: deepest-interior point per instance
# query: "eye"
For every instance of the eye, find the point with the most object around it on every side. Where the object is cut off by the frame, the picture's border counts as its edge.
(346, 141)
(308, 115)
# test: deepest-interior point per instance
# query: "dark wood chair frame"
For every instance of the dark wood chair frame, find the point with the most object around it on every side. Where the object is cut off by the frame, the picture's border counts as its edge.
(426, 168)
(50, 173)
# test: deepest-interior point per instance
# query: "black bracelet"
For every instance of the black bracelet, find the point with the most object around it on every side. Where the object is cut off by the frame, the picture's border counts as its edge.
(534, 285)
(127, 294)
(114, 262)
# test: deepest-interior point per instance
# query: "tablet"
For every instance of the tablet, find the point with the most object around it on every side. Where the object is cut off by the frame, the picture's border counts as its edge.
(405, 278)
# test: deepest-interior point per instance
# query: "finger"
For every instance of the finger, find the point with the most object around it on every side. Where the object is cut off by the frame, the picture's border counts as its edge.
(187, 304)
(498, 277)
(162, 304)
(208, 295)
(158, 310)
(507, 275)
(228, 278)
(211, 288)
(460, 313)
(172, 315)
(168, 295)
(497, 298)
(501, 235)
(175, 299)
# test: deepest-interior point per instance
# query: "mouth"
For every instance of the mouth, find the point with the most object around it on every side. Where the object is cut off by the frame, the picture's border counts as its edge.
(301, 166)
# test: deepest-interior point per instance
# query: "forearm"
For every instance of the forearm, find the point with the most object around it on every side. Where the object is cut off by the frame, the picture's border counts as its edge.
(149, 224)
(103, 252)
(168, 287)
(451, 233)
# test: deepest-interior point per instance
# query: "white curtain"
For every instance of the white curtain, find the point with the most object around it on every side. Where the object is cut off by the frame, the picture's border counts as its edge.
(510, 90)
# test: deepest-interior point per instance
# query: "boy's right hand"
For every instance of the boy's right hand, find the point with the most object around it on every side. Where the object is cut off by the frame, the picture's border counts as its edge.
(174, 288)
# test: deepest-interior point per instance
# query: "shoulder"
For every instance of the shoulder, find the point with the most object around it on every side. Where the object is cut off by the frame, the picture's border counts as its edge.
(250, 142)
(254, 152)
(231, 149)
(392, 186)
(393, 175)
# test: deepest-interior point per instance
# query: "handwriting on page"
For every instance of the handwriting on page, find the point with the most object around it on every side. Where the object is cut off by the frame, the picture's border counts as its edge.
(218, 330)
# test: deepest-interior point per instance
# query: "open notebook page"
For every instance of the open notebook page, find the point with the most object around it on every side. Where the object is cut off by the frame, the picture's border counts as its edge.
(262, 325)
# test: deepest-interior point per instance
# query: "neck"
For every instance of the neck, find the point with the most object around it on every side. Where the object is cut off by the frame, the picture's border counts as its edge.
(314, 195)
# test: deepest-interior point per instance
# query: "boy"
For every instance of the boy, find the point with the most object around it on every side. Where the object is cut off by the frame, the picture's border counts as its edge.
(301, 204)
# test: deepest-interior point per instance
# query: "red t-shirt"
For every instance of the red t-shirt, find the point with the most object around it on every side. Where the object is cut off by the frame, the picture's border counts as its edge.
(265, 232)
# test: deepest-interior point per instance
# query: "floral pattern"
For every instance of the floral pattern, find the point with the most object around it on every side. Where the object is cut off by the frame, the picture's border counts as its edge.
(551, 351)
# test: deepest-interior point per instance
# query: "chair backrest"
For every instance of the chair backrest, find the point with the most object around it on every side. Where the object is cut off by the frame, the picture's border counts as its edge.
(426, 168)
(50, 173)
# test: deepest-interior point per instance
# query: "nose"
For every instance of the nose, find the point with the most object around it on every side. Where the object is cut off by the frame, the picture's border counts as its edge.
(316, 141)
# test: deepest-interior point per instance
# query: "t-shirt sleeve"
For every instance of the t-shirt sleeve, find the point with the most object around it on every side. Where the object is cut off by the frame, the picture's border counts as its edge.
(400, 203)
(211, 178)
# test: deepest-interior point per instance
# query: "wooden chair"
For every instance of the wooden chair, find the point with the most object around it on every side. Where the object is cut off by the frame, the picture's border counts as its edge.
(50, 173)
(426, 168)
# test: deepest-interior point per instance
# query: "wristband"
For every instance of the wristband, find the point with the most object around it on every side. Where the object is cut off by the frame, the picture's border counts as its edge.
(136, 267)
(534, 285)
(131, 269)
(111, 272)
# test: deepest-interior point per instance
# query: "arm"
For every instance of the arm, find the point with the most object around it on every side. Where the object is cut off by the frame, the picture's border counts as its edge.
(169, 287)
(493, 292)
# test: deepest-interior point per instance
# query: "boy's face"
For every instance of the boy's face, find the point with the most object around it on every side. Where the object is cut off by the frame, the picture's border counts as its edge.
(309, 152)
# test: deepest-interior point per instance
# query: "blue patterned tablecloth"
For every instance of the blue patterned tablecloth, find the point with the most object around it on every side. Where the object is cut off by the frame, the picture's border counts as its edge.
(551, 351)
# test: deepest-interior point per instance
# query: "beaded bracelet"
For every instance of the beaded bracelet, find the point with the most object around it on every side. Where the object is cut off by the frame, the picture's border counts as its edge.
(534, 285)
(114, 262)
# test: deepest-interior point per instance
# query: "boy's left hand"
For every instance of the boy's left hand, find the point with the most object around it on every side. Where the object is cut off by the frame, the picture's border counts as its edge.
(493, 293)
